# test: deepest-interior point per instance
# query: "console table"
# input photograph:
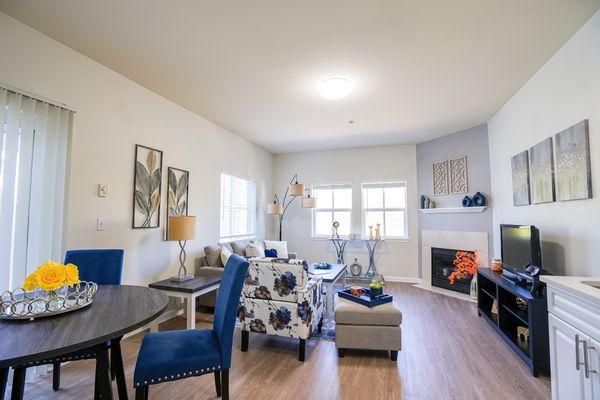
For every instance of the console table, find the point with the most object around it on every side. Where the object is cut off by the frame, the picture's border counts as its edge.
(370, 244)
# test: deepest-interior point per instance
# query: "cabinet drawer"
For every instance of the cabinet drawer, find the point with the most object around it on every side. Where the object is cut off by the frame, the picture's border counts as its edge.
(580, 313)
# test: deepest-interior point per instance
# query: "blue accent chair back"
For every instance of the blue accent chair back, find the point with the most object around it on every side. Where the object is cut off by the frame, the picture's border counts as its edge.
(103, 266)
(227, 304)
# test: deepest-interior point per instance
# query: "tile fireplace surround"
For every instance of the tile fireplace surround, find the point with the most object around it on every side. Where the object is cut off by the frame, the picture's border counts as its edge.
(459, 240)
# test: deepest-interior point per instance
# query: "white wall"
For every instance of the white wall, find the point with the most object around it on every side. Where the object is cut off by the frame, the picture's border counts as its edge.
(393, 259)
(563, 92)
(114, 114)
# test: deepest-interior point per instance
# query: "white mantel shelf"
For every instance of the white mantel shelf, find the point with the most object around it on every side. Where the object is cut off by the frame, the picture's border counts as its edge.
(453, 210)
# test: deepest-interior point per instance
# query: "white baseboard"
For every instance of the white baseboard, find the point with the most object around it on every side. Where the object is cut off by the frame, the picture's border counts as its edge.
(402, 279)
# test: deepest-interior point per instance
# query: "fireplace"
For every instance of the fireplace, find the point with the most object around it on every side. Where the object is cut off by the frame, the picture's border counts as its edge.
(442, 265)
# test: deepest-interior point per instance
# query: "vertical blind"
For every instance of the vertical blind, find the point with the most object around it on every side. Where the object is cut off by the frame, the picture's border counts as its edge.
(33, 157)
(238, 207)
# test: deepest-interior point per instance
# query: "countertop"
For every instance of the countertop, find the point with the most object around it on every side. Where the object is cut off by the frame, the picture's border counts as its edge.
(574, 285)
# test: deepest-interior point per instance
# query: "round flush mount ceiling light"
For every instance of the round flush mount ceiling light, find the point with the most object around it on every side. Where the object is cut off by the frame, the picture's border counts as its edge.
(334, 88)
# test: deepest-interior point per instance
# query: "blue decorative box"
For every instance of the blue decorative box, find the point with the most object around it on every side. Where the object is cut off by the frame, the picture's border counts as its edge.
(366, 299)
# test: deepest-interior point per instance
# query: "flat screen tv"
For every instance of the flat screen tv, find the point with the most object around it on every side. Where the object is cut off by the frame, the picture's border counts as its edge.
(520, 245)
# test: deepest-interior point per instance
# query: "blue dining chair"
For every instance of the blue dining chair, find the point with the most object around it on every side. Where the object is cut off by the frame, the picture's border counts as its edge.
(173, 355)
(104, 267)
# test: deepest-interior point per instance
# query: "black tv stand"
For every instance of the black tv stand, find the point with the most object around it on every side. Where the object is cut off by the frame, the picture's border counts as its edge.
(509, 320)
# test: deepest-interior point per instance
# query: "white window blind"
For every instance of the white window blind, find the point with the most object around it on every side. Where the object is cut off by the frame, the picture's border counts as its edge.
(33, 157)
(385, 204)
(238, 207)
(334, 203)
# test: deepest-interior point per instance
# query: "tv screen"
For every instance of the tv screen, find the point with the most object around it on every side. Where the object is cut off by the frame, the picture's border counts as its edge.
(520, 245)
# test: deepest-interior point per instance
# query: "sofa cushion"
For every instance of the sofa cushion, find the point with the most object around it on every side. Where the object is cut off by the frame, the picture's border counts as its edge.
(213, 256)
(239, 247)
(255, 250)
(350, 313)
(225, 254)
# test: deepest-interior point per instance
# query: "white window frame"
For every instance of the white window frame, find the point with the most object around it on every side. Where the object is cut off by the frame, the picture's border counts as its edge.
(333, 186)
(252, 209)
(383, 209)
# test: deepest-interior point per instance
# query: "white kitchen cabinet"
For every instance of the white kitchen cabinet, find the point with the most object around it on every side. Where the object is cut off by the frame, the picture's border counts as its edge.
(574, 324)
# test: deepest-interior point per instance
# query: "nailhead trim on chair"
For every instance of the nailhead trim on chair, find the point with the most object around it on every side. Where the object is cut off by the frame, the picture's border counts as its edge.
(175, 377)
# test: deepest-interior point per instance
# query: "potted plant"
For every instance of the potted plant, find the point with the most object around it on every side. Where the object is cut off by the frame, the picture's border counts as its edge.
(376, 286)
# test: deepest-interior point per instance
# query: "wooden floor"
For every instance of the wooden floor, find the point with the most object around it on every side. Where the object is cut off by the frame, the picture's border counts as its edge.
(448, 353)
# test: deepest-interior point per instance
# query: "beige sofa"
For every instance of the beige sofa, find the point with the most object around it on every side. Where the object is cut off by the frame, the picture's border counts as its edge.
(210, 264)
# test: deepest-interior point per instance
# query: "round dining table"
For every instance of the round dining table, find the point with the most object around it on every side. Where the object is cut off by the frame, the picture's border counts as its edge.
(115, 311)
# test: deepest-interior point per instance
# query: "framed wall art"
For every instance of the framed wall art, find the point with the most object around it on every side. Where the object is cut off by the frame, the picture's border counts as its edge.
(147, 187)
(177, 193)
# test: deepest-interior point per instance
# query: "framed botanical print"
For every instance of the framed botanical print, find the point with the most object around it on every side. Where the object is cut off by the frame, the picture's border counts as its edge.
(147, 187)
(177, 193)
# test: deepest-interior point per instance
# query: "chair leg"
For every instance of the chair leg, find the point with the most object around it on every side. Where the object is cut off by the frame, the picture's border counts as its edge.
(113, 371)
(56, 376)
(302, 350)
(225, 384)
(142, 393)
(341, 353)
(218, 383)
(3, 381)
(116, 366)
(394, 355)
(18, 387)
(245, 340)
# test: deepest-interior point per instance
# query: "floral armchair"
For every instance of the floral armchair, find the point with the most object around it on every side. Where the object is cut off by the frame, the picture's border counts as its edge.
(279, 298)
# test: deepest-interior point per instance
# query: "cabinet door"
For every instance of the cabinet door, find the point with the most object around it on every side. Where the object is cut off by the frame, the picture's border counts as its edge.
(594, 368)
(568, 381)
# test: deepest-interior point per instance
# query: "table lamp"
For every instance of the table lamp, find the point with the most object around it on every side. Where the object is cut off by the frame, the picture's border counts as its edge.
(182, 228)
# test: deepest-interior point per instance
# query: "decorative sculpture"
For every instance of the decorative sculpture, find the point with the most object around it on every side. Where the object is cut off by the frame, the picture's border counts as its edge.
(378, 232)
(370, 232)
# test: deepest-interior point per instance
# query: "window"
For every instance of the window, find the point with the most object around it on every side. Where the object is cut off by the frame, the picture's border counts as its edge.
(385, 204)
(33, 159)
(334, 203)
(238, 207)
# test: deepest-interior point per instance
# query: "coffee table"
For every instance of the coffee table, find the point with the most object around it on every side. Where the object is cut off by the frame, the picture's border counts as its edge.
(330, 278)
(187, 290)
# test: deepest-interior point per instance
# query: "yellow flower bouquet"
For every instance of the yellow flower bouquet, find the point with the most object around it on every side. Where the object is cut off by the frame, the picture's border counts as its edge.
(51, 276)
(53, 288)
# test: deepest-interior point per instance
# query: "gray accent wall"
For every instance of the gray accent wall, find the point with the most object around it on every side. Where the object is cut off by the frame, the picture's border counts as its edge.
(473, 143)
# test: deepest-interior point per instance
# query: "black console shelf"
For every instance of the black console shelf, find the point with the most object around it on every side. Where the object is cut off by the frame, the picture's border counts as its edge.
(510, 319)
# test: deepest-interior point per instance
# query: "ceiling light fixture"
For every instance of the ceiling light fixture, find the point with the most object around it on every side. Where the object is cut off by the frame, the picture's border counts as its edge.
(334, 88)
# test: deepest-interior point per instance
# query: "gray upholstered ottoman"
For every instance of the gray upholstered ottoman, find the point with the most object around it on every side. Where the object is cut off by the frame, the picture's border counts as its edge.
(361, 327)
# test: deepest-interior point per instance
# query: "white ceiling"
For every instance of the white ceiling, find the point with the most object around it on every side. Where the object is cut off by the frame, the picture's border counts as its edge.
(421, 68)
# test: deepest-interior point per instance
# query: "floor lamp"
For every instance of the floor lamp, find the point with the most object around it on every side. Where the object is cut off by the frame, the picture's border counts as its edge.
(292, 192)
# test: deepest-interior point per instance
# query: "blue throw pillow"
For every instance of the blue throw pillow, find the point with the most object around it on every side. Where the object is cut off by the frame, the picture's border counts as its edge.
(271, 253)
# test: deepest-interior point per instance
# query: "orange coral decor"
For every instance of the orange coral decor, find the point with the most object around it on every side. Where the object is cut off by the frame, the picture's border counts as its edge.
(466, 265)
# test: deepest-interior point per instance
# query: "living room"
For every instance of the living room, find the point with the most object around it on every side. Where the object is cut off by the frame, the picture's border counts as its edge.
(386, 171)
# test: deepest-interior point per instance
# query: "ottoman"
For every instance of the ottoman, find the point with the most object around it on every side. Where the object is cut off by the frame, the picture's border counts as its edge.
(361, 327)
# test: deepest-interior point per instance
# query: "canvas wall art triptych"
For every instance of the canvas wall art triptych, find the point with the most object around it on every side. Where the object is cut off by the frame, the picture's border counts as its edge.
(558, 168)
(147, 189)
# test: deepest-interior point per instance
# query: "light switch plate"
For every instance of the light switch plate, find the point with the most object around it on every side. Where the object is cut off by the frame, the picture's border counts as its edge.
(100, 224)
(102, 190)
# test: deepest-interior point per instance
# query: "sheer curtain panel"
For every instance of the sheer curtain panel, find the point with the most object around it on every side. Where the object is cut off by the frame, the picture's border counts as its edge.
(34, 139)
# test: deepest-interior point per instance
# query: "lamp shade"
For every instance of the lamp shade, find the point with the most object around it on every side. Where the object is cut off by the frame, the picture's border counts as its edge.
(274, 208)
(181, 227)
(296, 189)
(309, 202)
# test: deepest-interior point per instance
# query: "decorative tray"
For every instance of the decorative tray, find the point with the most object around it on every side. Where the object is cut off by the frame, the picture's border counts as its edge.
(21, 304)
(323, 266)
(366, 299)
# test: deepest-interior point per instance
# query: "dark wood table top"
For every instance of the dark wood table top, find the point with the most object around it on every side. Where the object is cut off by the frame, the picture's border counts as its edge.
(116, 310)
(191, 286)
(328, 275)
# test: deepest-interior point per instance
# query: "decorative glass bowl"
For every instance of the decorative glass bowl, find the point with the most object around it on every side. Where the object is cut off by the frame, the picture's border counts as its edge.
(21, 304)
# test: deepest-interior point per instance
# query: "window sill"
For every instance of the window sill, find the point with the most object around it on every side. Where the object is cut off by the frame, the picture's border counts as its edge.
(392, 240)
(236, 238)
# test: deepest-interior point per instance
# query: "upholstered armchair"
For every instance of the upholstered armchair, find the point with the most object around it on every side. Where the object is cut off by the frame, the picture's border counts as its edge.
(279, 298)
